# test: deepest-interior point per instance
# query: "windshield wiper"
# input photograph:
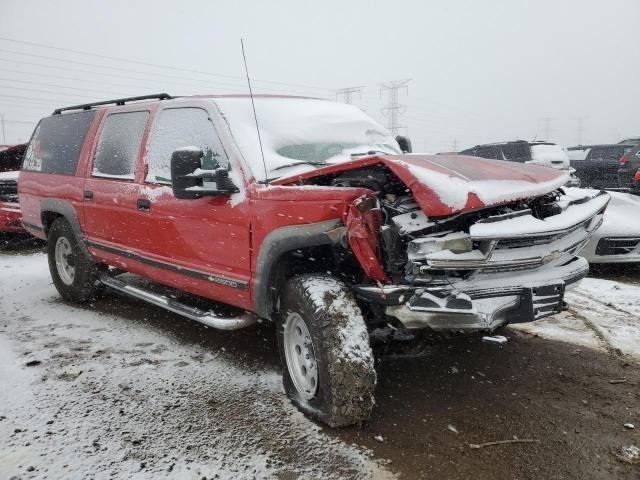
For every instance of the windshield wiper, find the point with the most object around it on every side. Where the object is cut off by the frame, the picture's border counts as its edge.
(371, 152)
(315, 164)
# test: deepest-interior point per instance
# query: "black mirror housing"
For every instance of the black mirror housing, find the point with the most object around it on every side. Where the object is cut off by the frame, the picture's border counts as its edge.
(404, 143)
(184, 162)
(187, 183)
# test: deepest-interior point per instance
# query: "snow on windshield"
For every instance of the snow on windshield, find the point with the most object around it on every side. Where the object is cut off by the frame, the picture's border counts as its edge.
(300, 134)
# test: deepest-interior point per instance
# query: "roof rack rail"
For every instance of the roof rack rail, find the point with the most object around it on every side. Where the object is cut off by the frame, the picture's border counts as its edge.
(117, 101)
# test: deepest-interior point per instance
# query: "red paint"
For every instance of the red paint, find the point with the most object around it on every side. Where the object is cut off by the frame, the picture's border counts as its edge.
(10, 218)
(363, 224)
(458, 166)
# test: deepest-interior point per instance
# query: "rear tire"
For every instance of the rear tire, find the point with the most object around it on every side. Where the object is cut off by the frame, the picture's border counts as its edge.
(74, 273)
(328, 366)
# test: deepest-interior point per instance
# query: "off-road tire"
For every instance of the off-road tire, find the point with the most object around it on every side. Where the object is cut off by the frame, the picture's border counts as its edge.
(85, 285)
(345, 363)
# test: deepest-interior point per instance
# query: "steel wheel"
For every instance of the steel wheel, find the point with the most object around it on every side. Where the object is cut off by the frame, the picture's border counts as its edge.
(300, 356)
(64, 261)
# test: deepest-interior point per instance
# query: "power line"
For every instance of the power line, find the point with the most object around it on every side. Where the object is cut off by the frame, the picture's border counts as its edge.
(156, 65)
(394, 109)
(183, 80)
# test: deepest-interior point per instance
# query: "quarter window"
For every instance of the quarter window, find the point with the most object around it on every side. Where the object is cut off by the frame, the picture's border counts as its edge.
(56, 143)
(177, 128)
(515, 152)
(487, 152)
(119, 145)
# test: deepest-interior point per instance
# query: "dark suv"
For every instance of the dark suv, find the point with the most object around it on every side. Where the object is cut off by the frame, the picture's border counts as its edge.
(521, 151)
(597, 165)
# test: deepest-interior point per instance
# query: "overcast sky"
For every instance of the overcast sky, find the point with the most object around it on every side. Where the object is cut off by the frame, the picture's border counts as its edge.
(480, 71)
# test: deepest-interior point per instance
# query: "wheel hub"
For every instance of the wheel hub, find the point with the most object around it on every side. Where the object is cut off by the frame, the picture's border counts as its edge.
(64, 261)
(300, 356)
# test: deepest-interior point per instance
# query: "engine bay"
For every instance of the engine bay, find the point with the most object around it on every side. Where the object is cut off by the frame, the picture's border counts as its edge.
(404, 232)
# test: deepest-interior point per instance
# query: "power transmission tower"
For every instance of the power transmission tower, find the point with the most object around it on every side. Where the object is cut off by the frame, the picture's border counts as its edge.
(547, 127)
(454, 144)
(580, 129)
(347, 94)
(4, 137)
(394, 109)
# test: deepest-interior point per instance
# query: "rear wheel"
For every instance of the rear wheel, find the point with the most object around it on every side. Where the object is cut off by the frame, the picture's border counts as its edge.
(324, 347)
(74, 273)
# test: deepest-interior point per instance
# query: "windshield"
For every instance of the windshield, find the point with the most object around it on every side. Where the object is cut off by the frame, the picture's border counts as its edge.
(300, 134)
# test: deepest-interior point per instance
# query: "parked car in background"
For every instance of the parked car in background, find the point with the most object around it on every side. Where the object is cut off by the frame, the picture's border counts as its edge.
(629, 171)
(597, 165)
(618, 238)
(10, 161)
(324, 228)
(539, 152)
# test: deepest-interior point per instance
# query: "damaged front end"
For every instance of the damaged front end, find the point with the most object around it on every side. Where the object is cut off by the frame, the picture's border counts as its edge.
(477, 270)
(456, 243)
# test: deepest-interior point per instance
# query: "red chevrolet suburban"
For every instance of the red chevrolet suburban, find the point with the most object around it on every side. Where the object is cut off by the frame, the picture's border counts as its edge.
(320, 224)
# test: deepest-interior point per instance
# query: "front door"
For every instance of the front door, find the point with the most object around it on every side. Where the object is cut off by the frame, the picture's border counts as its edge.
(201, 244)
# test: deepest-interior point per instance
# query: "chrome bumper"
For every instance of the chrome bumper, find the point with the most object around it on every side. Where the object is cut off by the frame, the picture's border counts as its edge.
(489, 301)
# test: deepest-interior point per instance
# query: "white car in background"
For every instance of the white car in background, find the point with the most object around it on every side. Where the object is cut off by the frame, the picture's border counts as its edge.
(618, 238)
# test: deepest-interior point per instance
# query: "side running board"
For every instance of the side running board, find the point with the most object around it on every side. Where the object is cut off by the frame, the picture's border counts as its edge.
(207, 318)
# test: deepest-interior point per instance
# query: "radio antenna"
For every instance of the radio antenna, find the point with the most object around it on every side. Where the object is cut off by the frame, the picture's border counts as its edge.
(255, 116)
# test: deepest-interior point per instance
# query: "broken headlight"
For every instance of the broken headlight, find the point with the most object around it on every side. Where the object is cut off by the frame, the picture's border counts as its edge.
(419, 248)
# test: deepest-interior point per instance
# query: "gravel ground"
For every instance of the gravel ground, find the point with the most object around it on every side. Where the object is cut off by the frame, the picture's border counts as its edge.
(121, 389)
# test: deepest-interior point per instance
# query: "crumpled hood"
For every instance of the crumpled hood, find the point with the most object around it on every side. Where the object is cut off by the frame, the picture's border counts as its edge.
(448, 184)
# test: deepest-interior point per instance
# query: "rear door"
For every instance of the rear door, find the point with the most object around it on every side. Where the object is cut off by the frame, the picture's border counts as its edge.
(111, 190)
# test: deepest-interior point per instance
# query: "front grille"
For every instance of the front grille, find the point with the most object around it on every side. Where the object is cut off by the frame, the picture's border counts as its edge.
(524, 241)
(617, 246)
(9, 191)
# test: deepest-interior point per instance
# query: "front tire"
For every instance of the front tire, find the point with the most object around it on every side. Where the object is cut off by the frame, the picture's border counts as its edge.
(328, 367)
(74, 273)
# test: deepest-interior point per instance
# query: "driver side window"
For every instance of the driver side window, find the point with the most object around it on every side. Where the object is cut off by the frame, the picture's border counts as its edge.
(176, 128)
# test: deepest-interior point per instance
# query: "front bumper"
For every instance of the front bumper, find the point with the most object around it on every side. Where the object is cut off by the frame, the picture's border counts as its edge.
(10, 218)
(483, 303)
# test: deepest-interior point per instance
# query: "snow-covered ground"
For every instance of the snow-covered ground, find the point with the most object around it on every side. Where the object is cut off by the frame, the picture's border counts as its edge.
(117, 389)
(89, 394)
(603, 314)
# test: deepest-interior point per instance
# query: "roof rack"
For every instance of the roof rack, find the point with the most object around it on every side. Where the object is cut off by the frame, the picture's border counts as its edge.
(118, 101)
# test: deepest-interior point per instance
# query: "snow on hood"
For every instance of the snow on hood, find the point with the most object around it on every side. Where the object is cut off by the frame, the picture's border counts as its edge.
(448, 184)
(11, 175)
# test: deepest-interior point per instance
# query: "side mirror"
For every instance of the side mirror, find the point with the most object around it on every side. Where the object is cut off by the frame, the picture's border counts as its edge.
(190, 181)
(404, 143)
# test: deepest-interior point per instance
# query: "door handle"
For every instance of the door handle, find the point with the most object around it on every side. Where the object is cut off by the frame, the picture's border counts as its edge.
(88, 194)
(143, 204)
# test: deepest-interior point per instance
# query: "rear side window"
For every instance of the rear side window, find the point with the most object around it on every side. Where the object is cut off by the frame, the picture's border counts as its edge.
(178, 128)
(56, 143)
(119, 145)
(487, 152)
(516, 152)
(599, 154)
